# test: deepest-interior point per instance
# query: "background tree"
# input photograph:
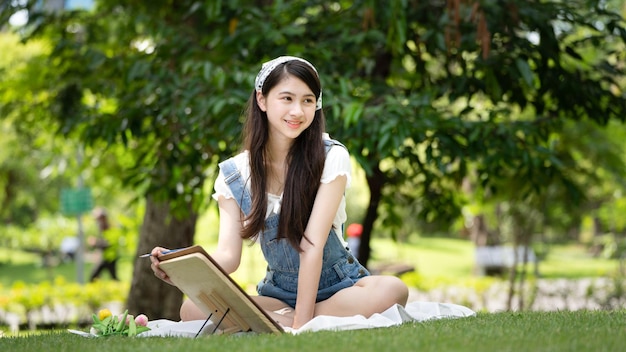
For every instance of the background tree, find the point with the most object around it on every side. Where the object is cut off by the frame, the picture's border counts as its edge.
(21, 158)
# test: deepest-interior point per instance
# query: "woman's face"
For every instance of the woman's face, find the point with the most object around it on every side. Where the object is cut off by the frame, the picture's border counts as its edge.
(290, 108)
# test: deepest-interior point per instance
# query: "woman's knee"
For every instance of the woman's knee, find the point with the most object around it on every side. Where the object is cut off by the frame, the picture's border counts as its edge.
(395, 290)
(189, 311)
(401, 290)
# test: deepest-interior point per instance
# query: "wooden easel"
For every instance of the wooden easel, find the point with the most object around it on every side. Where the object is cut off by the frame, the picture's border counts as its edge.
(226, 304)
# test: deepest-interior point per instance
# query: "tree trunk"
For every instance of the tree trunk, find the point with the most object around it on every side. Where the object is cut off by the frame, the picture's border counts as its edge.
(148, 294)
(375, 183)
(522, 238)
(478, 231)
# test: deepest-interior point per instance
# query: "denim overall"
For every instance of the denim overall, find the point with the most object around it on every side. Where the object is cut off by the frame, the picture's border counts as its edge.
(340, 269)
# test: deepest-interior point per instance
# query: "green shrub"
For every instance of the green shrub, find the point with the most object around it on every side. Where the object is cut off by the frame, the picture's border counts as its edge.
(609, 246)
(22, 298)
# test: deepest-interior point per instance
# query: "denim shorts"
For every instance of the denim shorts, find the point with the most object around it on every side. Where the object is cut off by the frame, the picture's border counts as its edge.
(284, 286)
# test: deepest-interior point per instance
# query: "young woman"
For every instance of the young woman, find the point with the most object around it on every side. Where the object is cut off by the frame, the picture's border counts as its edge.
(286, 192)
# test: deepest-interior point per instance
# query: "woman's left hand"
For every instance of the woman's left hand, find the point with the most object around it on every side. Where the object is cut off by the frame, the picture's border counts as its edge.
(154, 259)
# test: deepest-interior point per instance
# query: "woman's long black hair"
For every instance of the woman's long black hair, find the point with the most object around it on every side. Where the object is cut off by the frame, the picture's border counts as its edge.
(305, 160)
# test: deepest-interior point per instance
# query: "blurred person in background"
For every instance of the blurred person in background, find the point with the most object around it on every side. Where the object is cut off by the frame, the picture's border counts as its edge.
(106, 244)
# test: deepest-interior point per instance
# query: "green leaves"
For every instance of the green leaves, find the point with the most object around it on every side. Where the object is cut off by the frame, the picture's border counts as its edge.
(525, 71)
(406, 87)
(112, 325)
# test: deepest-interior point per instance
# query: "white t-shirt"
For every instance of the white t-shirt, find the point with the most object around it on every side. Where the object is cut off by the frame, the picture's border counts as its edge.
(337, 164)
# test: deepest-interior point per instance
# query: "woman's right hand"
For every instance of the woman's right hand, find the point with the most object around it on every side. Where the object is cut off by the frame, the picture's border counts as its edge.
(154, 259)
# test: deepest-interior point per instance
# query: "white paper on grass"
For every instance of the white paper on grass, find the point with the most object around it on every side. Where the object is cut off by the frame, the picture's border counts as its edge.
(396, 315)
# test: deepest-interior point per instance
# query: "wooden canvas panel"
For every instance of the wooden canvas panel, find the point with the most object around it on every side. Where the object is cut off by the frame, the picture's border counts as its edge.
(197, 275)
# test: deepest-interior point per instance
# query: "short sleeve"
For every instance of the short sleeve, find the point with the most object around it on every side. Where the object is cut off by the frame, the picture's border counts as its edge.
(337, 164)
(220, 187)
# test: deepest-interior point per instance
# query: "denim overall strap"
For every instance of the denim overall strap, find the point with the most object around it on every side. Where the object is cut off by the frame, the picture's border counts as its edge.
(237, 185)
(241, 194)
(329, 143)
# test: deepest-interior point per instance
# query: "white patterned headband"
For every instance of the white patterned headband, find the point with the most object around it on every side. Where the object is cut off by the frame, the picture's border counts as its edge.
(269, 66)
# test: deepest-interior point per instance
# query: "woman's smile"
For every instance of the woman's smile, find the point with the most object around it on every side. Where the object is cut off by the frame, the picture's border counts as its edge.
(293, 124)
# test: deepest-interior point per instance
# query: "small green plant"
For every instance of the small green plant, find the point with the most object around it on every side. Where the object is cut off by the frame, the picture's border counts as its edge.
(107, 324)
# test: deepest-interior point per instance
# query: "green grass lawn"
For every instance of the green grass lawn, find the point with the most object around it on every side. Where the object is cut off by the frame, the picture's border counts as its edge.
(432, 258)
(530, 331)
(572, 261)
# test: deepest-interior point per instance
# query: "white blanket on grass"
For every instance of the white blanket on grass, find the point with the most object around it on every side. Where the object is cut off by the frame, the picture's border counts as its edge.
(413, 312)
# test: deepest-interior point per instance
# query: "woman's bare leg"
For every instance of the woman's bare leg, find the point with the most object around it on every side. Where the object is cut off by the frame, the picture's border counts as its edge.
(371, 294)
(277, 309)
(189, 311)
